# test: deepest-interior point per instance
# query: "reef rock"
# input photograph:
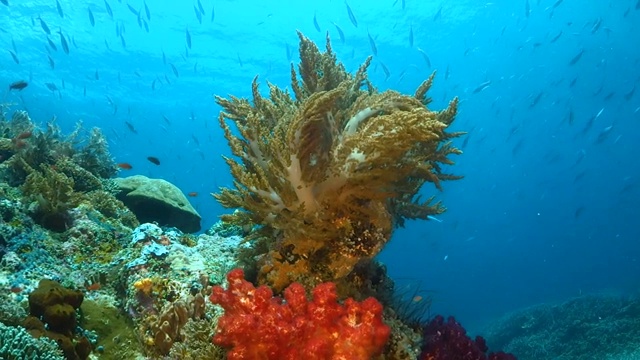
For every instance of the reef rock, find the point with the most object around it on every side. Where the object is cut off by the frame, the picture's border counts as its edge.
(158, 200)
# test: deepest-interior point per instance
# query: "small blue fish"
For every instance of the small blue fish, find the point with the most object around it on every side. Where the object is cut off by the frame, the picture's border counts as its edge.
(351, 16)
(410, 36)
(340, 32)
(372, 44)
(175, 70)
(438, 14)
(59, 9)
(386, 71)
(213, 13)
(425, 57)
(109, 11)
(146, 11)
(63, 42)
(198, 14)
(51, 86)
(188, 36)
(92, 20)
(315, 23)
(482, 86)
(52, 44)
(576, 58)
(133, 10)
(200, 7)
(44, 26)
(15, 57)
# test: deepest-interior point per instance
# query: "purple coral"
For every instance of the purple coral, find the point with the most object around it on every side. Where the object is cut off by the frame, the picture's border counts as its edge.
(449, 341)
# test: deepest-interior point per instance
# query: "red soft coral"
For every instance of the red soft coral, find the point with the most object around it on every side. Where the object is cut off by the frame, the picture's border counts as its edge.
(257, 325)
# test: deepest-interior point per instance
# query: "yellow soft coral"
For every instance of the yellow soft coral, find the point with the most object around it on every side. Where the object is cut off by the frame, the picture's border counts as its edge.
(338, 150)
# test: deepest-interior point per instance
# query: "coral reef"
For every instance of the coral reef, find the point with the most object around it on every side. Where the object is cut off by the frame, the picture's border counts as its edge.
(57, 173)
(17, 344)
(32, 148)
(164, 285)
(597, 326)
(257, 325)
(327, 174)
(445, 340)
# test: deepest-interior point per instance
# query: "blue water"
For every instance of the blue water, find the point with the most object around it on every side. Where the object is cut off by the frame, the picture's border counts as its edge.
(549, 204)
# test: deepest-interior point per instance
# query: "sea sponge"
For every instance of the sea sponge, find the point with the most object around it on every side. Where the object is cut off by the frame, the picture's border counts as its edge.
(55, 305)
(53, 314)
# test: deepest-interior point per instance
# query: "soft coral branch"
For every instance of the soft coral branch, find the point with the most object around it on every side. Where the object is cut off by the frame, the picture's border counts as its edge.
(338, 150)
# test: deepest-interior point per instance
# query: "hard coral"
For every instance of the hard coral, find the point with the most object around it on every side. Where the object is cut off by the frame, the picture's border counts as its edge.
(329, 173)
(257, 325)
(448, 340)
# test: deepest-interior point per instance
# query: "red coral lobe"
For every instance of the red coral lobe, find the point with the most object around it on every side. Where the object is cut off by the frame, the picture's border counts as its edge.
(257, 325)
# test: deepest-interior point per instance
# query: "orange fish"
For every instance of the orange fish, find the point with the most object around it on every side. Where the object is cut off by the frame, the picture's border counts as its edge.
(193, 194)
(94, 287)
(125, 166)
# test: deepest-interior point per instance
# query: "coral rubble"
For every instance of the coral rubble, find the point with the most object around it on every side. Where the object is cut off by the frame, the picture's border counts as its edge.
(327, 174)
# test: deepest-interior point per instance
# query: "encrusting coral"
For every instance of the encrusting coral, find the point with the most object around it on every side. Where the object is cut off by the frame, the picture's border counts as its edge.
(327, 174)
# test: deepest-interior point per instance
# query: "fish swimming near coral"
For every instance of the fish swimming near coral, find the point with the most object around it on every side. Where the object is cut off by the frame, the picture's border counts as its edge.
(125, 166)
(315, 23)
(131, 127)
(372, 44)
(340, 32)
(154, 160)
(425, 57)
(51, 86)
(18, 85)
